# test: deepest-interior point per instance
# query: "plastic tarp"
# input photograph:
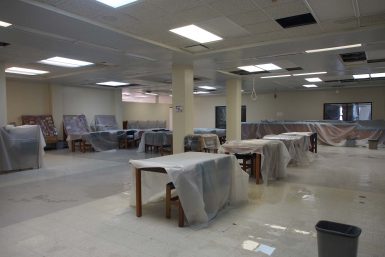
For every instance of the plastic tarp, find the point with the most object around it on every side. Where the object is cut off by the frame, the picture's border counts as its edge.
(198, 142)
(154, 138)
(21, 147)
(216, 131)
(104, 140)
(336, 133)
(297, 145)
(146, 124)
(274, 155)
(205, 183)
(105, 122)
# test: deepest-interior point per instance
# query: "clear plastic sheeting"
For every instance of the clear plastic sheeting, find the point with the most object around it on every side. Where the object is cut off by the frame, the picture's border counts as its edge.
(274, 155)
(75, 127)
(200, 142)
(216, 131)
(336, 133)
(104, 140)
(154, 138)
(146, 124)
(21, 147)
(205, 183)
(105, 122)
(297, 145)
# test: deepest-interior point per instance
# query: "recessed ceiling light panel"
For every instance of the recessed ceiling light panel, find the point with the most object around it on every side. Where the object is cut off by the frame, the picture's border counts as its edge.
(207, 87)
(201, 92)
(268, 66)
(113, 83)
(377, 75)
(332, 48)
(313, 79)
(310, 73)
(361, 76)
(65, 62)
(116, 3)
(250, 68)
(196, 33)
(4, 24)
(276, 76)
(25, 71)
(310, 85)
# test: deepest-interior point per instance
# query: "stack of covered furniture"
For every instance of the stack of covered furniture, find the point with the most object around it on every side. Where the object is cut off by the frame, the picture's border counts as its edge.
(144, 124)
(75, 127)
(21, 147)
(46, 124)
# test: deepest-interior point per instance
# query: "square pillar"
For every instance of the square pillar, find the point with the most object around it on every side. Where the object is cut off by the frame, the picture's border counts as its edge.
(3, 97)
(233, 109)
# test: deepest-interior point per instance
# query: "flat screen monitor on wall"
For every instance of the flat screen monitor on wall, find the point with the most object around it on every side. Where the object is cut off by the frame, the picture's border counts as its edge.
(348, 111)
(220, 116)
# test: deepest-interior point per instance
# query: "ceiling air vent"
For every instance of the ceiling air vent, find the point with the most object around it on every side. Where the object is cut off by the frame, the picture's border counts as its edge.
(294, 69)
(3, 44)
(296, 20)
(355, 57)
(376, 60)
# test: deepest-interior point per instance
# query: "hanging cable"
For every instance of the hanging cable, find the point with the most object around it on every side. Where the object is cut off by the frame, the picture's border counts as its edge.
(253, 93)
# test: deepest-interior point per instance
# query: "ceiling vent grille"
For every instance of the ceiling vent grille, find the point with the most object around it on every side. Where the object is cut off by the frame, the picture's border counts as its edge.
(296, 20)
(353, 58)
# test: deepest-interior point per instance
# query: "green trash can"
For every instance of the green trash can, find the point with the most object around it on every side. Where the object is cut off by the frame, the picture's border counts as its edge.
(336, 239)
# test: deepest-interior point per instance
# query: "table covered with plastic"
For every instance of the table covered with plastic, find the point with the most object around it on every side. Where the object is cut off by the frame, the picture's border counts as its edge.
(205, 183)
(274, 155)
(21, 147)
(155, 138)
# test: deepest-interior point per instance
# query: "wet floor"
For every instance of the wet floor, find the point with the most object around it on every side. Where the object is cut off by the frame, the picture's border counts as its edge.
(78, 205)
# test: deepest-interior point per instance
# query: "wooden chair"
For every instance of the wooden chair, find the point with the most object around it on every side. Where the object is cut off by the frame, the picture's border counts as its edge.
(252, 162)
(173, 201)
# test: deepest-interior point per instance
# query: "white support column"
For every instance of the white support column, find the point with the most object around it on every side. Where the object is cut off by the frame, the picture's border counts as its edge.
(182, 103)
(3, 97)
(233, 110)
(118, 106)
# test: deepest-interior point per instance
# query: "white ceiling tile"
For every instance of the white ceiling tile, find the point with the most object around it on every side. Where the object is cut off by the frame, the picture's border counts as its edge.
(372, 20)
(223, 27)
(287, 10)
(249, 17)
(263, 27)
(269, 3)
(230, 7)
(331, 9)
(370, 7)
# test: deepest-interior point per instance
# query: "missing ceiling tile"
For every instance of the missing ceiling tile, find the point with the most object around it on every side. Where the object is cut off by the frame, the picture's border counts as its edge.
(243, 72)
(296, 20)
(294, 68)
(353, 57)
(4, 44)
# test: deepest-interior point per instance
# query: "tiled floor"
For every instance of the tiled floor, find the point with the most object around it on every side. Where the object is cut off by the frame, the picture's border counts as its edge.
(79, 206)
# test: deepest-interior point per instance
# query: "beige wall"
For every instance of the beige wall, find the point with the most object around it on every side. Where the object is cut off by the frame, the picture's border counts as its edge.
(146, 111)
(299, 105)
(26, 97)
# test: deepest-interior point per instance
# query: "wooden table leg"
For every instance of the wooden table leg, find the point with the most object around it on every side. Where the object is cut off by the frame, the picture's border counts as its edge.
(138, 185)
(257, 168)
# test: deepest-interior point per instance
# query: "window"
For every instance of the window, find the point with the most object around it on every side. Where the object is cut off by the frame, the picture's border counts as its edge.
(220, 116)
(348, 111)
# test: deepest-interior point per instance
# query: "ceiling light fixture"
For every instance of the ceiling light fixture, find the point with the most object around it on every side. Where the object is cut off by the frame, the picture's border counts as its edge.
(313, 79)
(116, 3)
(207, 87)
(310, 85)
(332, 48)
(268, 66)
(276, 76)
(149, 93)
(361, 76)
(310, 73)
(250, 68)
(25, 71)
(377, 75)
(196, 33)
(113, 83)
(201, 92)
(65, 62)
(4, 24)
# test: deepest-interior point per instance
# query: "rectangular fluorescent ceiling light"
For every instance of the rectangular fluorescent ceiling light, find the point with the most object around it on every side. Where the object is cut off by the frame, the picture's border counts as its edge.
(4, 24)
(116, 3)
(250, 68)
(149, 93)
(361, 76)
(310, 85)
(313, 79)
(276, 76)
(310, 73)
(377, 75)
(112, 83)
(201, 92)
(268, 66)
(196, 33)
(65, 62)
(332, 48)
(25, 71)
(207, 87)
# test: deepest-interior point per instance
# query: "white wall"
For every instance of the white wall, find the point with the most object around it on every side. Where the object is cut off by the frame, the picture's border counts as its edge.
(26, 97)
(146, 111)
(299, 105)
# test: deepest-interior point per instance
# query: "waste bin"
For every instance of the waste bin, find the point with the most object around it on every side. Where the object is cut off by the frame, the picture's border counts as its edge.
(373, 143)
(336, 239)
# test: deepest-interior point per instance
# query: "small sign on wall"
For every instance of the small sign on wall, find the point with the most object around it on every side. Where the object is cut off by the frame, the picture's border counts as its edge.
(179, 108)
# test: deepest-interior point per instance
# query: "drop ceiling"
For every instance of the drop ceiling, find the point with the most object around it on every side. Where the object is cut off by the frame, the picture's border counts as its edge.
(133, 43)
